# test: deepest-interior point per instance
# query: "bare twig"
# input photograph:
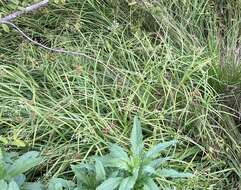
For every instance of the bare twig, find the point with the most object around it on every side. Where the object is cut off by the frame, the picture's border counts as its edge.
(7, 19)
(48, 48)
(28, 9)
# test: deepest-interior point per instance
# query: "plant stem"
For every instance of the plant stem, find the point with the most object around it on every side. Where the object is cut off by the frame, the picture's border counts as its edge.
(28, 9)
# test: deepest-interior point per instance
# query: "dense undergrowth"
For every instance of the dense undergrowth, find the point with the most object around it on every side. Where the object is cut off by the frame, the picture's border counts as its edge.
(175, 64)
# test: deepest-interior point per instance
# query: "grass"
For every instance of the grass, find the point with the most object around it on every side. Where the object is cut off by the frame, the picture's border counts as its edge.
(175, 64)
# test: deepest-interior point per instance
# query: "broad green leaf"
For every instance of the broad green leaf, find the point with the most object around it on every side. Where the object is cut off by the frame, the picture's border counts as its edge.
(172, 173)
(55, 185)
(9, 156)
(3, 185)
(104, 159)
(20, 179)
(154, 151)
(60, 184)
(115, 173)
(118, 152)
(1, 153)
(33, 186)
(157, 162)
(24, 163)
(80, 174)
(148, 170)
(110, 184)
(136, 138)
(150, 185)
(100, 171)
(117, 163)
(127, 183)
(3, 172)
(135, 172)
(82, 178)
(13, 186)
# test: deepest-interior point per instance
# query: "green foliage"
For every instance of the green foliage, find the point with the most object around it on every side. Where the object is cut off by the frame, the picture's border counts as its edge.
(88, 176)
(18, 5)
(175, 63)
(13, 167)
(118, 170)
(140, 168)
(60, 184)
(13, 5)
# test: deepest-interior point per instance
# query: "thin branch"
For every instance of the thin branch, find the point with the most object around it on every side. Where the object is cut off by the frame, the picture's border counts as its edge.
(48, 48)
(7, 19)
(28, 9)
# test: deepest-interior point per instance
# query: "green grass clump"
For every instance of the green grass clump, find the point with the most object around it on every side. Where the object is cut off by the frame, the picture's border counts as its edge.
(174, 63)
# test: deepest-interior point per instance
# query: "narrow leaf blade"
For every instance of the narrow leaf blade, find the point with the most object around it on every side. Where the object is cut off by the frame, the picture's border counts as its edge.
(150, 185)
(3, 171)
(60, 184)
(13, 186)
(100, 170)
(127, 183)
(173, 173)
(157, 162)
(136, 137)
(110, 184)
(117, 163)
(20, 179)
(118, 152)
(80, 174)
(154, 151)
(3, 185)
(24, 163)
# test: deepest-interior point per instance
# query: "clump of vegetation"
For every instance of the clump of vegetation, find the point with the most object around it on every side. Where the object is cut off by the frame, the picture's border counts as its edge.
(176, 64)
(116, 170)
(13, 167)
(139, 169)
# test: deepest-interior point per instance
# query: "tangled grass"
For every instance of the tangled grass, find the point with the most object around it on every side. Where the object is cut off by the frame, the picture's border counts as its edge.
(175, 63)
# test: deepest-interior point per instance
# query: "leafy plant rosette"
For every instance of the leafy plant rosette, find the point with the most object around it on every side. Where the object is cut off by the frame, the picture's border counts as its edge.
(123, 171)
(139, 169)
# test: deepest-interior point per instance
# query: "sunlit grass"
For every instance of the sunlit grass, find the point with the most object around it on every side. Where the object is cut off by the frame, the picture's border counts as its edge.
(162, 63)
